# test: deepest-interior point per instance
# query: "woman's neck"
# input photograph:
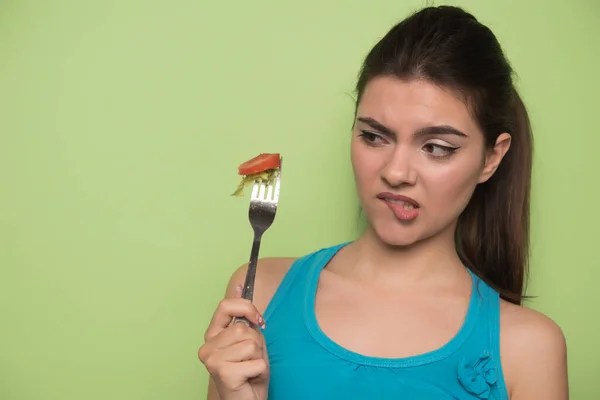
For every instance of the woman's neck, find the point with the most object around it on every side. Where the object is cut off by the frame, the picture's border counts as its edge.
(431, 260)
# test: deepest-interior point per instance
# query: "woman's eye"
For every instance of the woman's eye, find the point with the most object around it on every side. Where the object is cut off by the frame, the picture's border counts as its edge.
(438, 150)
(371, 138)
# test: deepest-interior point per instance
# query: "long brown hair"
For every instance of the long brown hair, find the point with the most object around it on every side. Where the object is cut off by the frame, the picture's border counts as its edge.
(449, 47)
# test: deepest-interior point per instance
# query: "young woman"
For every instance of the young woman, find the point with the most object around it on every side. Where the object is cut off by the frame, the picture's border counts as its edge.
(426, 303)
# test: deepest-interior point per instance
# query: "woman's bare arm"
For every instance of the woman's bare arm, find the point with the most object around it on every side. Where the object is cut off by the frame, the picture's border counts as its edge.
(534, 355)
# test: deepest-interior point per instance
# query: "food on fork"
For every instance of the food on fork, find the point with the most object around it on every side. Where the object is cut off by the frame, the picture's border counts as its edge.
(262, 168)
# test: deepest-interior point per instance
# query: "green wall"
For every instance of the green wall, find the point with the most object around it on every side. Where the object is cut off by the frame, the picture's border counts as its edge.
(121, 126)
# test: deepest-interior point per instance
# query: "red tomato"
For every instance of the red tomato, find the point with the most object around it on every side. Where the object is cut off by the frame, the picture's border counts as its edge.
(260, 163)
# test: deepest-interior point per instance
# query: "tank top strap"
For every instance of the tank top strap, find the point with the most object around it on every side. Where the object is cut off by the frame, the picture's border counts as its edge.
(490, 304)
(487, 360)
(302, 278)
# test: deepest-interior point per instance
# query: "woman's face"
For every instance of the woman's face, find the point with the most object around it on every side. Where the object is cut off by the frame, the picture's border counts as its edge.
(417, 156)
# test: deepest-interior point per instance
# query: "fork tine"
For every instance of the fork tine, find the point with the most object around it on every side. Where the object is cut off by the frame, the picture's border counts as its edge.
(276, 190)
(255, 190)
(263, 189)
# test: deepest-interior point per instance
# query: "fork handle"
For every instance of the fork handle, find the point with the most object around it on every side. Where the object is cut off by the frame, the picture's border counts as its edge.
(248, 290)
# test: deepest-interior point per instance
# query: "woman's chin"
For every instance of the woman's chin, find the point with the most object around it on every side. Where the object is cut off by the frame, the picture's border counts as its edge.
(396, 235)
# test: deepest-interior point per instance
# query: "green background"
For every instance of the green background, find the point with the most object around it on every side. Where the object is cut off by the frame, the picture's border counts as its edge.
(121, 126)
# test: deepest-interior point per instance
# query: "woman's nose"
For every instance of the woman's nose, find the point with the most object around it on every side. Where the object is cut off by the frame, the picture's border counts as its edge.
(399, 170)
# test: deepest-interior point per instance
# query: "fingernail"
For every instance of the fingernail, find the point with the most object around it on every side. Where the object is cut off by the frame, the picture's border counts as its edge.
(261, 321)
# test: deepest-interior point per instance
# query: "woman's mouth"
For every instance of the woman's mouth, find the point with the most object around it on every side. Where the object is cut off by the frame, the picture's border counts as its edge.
(404, 208)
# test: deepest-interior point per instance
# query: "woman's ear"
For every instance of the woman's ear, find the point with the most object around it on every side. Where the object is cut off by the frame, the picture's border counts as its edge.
(494, 156)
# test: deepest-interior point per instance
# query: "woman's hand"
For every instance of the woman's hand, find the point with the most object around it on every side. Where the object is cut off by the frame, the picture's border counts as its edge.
(235, 354)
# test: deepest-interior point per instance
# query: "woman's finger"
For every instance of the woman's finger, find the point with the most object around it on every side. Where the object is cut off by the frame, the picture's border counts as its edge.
(237, 374)
(234, 334)
(229, 308)
(242, 351)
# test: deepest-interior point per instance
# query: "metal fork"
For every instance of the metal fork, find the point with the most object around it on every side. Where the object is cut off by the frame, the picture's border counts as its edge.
(263, 206)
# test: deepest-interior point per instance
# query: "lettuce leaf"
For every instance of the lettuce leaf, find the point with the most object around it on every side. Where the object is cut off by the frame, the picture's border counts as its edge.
(265, 176)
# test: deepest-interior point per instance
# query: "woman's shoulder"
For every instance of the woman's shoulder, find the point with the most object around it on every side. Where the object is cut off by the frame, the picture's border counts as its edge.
(270, 272)
(529, 330)
(533, 352)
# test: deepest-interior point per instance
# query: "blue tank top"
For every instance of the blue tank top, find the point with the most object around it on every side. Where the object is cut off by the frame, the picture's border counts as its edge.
(306, 364)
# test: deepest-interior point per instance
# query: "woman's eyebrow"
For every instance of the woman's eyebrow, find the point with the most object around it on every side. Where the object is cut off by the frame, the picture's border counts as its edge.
(439, 130)
(373, 123)
(427, 131)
